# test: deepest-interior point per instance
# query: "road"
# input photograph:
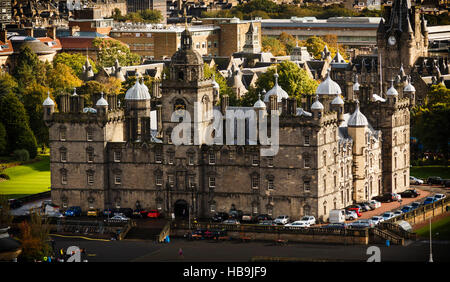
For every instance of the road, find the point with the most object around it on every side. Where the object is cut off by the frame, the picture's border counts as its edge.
(208, 251)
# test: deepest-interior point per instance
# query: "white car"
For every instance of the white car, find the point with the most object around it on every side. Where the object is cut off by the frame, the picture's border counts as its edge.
(439, 197)
(350, 215)
(375, 204)
(388, 215)
(396, 196)
(398, 212)
(282, 219)
(415, 181)
(377, 219)
(118, 217)
(297, 224)
(309, 219)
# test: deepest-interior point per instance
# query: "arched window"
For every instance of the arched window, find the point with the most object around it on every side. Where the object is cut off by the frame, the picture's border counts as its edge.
(395, 160)
(325, 208)
(180, 75)
(324, 158)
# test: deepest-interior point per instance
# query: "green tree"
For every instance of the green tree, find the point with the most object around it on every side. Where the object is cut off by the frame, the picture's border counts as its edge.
(273, 45)
(7, 84)
(33, 98)
(110, 50)
(151, 16)
(61, 78)
(27, 67)
(224, 89)
(15, 119)
(3, 141)
(75, 61)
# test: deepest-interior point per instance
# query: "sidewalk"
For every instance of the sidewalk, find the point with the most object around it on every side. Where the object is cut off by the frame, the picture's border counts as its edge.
(393, 206)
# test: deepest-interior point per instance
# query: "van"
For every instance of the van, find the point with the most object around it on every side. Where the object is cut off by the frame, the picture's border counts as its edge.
(337, 216)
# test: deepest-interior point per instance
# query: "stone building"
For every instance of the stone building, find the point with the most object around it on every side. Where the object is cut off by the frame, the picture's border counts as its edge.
(330, 155)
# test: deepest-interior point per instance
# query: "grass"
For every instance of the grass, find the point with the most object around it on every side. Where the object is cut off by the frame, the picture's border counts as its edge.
(440, 229)
(423, 172)
(27, 179)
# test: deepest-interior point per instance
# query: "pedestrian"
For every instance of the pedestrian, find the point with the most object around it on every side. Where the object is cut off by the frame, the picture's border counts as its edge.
(180, 253)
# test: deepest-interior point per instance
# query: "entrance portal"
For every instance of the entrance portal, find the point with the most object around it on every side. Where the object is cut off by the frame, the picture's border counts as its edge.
(181, 209)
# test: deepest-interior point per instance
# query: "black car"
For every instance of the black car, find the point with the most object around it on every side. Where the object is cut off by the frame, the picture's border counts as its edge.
(220, 216)
(263, 217)
(385, 198)
(410, 193)
(434, 180)
(128, 212)
(236, 214)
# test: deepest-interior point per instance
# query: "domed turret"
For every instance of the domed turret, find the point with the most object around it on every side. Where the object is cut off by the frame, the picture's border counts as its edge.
(137, 92)
(357, 119)
(328, 87)
(392, 91)
(259, 105)
(317, 108)
(101, 105)
(276, 90)
(48, 106)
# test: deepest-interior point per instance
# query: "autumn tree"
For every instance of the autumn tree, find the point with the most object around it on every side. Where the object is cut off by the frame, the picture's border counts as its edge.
(110, 50)
(34, 237)
(75, 61)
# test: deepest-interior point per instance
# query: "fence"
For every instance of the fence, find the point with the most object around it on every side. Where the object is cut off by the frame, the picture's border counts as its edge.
(96, 229)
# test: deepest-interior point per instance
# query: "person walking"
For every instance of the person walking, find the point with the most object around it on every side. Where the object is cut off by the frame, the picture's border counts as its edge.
(180, 253)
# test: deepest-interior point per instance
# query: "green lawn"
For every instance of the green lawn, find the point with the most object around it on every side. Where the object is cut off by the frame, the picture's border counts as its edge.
(424, 172)
(440, 230)
(27, 179)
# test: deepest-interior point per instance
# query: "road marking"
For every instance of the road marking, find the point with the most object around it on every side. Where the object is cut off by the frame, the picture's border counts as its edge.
(80, 237)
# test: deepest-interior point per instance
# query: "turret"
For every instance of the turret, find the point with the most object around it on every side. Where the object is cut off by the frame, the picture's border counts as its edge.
(49, 107)
(216, 90)
(317, 108)
(410, 92)
(101, 106)
(392, 94)
(337, 105)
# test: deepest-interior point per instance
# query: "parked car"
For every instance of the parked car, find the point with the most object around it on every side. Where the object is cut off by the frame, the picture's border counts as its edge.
(415, 205)
(282, 219)
(231, 221)
(140, 213)
(410, 193)
(73, 211)
(128, 212)
(311, 220)
(385, 198)
(377, 219)
(220, 217)
(14, 203)
(434, 180)
(398, 212)
(374, 204)
(350, 215)
(415, 181)
(267, 222)
(388, 215)
(397, 197)
(93, 212)
(341, 225)
(262, 217)
(362, 223)
(153, 214)
(439, 197)
(429, 200)
(236, 214)
(406, 209)
(356, 210)
(118, 217)
(365, 207)
(297, 224)
(248, 217)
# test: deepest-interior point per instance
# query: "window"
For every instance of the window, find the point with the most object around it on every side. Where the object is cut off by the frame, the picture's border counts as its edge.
(90, 177)
(171, 180)
(63, 152)
(117, 156)
(270, 184)
(307, 161)
(255, 160)
(212, 158)
(231, 156)
(307, 140)
(255, 209)
(306, 186)
(62, 134)
(191, 181)
(159, 180)
(90, 155)
(171, 157)
(324, 158)
(270, 161)
(64, 177)
(158, 156)
(255, 182)
(89, 134)
(325, 208)
(212, 207)
(117, 179)
(324, 184)
(212, 182)
(191, 159)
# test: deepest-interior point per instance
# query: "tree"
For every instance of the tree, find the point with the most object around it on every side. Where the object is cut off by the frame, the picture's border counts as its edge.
(224, 89)
(3, 141)
(273, 45)
(34, 237)
(294, 80)
(110, 50)
(5, 216)
(75, 61)
(33, 98)
(151, 16)
(61, 78)
(288, 41)
(26, 69)
(15, 119)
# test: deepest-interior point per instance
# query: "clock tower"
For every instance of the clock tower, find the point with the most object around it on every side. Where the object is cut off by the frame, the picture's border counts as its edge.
(402, 37)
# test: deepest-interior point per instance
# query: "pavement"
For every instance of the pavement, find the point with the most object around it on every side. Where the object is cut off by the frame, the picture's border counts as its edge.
(25, 209)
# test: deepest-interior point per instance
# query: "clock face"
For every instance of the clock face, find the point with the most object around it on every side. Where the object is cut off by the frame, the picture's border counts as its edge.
(392, 40)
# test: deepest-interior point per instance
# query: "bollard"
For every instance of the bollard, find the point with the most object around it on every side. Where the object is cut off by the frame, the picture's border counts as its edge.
(388, 243)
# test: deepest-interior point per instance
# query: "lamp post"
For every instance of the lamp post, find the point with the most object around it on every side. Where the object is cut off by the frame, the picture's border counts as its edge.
(431, 250)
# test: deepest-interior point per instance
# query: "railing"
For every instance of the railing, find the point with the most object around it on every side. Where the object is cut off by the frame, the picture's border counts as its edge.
(397, 230)
(394, 239)
(164, 232)
(272, 229)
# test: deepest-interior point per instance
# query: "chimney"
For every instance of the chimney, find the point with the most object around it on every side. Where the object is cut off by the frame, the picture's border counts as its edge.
(51, 32)
(273, 103)
(292, 106)
(224, 104)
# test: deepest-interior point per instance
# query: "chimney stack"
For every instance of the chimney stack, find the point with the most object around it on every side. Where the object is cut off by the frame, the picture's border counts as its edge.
(51, 32)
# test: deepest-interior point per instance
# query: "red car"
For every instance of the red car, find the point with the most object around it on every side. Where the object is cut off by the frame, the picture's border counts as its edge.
(154, 214)
(357, 210)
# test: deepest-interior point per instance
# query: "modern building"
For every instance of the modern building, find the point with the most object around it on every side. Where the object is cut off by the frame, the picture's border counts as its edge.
(134, 6)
